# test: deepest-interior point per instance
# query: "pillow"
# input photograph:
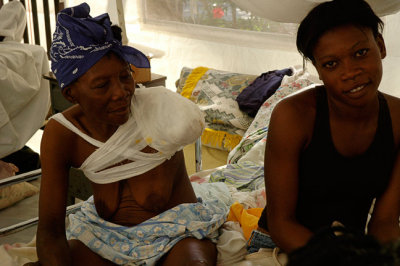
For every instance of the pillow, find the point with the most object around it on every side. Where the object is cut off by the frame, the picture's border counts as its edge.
(12, 194)
(215, 92)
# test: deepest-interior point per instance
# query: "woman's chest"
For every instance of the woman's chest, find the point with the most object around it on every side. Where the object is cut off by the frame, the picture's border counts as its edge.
(326, 173)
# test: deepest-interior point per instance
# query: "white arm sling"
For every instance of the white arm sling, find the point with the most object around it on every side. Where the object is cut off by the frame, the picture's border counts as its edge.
(160, 118)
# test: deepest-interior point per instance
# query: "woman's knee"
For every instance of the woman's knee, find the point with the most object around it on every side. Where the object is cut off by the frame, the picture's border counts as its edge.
(191, 251)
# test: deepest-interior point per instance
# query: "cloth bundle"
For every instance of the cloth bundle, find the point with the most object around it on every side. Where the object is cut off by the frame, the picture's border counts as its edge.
(252, 97)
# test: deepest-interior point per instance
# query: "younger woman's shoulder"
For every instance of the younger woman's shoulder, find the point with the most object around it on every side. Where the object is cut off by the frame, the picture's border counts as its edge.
(394, 106)
(296, 114)
(302, 103)
(393, 101)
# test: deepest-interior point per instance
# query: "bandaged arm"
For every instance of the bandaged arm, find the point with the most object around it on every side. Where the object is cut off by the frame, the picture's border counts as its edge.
(168, 121)
(162, 120)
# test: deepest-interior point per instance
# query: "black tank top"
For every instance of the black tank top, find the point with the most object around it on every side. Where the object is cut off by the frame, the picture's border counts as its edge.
(337, 188)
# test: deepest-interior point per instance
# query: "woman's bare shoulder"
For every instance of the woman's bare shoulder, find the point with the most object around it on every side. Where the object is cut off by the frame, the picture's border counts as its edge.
(59, 140)
(393, 103)
(300, 106)
(72, 115)
(54, 131)
(295, 116)
(56, 139)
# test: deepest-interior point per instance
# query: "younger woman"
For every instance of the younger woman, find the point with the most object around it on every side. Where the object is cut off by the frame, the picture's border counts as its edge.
(333, 149)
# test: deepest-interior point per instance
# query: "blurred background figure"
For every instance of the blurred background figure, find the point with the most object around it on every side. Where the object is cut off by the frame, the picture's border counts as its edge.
(24, 94)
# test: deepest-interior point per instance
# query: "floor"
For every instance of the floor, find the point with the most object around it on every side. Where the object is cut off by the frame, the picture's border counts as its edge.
(27, 208)
(211, 158)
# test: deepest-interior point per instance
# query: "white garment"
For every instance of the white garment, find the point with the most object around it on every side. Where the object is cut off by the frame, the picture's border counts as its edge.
(12, 21)
(24, 95)
(161, 119)
(231, 244)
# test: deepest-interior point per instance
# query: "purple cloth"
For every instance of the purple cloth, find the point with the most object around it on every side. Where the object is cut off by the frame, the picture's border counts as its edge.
(80, 41)
(253, 96)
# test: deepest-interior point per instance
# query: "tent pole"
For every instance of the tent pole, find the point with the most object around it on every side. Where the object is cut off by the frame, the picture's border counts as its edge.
(121, 21)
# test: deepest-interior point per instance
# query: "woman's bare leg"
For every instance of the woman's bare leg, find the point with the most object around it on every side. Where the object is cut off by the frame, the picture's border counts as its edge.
(82, 255)
(191, 251)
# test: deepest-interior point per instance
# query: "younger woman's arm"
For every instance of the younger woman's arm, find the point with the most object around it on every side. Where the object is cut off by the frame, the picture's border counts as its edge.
(384, 223)
(288, 132)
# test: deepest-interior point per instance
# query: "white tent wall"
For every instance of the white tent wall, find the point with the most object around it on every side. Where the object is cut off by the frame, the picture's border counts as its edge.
(230, 54)
(391, 64)
(176, 45)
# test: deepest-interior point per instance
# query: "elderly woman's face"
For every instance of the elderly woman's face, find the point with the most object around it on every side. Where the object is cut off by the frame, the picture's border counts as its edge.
(104, 92)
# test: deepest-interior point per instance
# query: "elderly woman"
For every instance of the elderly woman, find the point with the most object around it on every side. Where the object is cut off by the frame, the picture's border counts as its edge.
(128, 143)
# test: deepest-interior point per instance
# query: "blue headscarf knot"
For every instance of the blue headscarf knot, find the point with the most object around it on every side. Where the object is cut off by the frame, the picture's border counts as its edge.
(80, 41)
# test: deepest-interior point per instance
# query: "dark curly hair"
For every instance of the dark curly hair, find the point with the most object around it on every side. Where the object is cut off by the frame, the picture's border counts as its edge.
(332, 14)
(117, 32)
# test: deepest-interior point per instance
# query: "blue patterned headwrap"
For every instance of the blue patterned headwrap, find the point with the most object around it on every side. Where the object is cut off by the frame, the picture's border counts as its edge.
(80, 41)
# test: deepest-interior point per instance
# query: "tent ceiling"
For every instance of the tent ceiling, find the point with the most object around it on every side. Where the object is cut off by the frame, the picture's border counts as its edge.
(293, 11)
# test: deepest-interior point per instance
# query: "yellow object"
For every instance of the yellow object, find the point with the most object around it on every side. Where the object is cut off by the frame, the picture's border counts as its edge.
(221, 139)
(248, 219)
(192, 80)
(213, 138)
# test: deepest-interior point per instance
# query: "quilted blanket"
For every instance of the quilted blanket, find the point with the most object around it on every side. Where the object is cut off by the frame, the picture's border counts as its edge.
(215, 92)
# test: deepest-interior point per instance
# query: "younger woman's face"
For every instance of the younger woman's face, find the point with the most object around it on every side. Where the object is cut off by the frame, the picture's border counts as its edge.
(105, 91)
(349, 62)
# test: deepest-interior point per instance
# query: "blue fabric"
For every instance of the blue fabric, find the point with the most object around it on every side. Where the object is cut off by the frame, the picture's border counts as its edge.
(147, 242)
(259, 240)
(253, 96)
(80, 41)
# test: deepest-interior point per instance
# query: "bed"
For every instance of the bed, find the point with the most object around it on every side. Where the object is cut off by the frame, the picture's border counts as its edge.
(244, 172)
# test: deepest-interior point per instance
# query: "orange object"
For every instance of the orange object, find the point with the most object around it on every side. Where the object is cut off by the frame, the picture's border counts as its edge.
(247, 218)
